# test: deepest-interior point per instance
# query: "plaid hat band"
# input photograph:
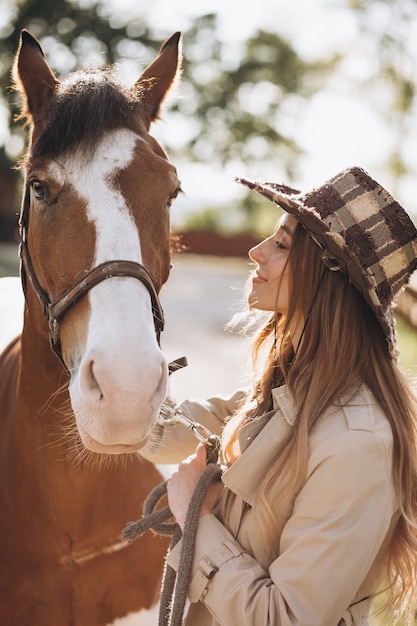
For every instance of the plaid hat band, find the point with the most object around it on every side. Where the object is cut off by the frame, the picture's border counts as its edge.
(361, 229)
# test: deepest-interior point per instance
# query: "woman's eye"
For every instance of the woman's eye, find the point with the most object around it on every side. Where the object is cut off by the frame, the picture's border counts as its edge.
(38, 189)
(280, 245)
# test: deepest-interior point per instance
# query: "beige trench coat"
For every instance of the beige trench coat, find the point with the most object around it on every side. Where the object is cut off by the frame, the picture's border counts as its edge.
(332, 546)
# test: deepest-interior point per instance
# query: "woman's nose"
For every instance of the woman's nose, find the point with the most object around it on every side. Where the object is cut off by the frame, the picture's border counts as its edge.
(255, 253)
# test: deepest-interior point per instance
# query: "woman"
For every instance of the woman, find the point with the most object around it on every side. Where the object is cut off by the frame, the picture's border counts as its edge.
(317, 508)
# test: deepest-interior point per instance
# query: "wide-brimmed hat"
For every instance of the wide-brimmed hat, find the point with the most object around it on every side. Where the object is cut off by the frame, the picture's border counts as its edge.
(362, 231)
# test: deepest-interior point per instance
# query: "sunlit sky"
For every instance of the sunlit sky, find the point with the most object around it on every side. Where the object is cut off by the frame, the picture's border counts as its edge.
(338, 128)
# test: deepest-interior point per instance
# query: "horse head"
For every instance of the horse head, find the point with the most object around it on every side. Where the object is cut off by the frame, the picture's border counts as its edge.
(95, 240)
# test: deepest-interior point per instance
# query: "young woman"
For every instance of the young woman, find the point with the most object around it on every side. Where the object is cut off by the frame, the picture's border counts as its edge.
(317, 509)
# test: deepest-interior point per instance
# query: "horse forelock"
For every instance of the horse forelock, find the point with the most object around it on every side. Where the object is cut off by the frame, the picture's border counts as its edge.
(84, 107)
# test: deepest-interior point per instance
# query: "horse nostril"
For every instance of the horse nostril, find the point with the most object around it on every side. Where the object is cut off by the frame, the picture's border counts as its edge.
(91, 383)
(95, 381)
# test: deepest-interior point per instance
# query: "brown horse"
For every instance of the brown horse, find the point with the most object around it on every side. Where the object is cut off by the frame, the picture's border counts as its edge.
(95, 214)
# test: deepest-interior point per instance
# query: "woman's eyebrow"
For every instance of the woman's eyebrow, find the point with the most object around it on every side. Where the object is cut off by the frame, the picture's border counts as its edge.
(286, 229)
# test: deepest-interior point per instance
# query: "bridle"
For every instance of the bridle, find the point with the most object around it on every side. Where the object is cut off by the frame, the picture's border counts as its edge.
(55, 311)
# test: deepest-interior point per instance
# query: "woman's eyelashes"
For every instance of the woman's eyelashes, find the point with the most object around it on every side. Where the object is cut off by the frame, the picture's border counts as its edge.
(279, 242)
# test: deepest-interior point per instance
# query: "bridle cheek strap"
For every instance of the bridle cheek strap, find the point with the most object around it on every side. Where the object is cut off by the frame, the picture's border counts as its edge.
(54, 311)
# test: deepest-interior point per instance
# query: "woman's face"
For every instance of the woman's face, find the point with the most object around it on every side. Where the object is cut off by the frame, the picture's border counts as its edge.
(269, 282)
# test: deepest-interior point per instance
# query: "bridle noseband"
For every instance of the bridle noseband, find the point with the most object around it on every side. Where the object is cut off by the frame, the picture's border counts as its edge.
(54, 311)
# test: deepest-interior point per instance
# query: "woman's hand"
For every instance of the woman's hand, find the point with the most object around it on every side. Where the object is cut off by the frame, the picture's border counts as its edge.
(183, 482)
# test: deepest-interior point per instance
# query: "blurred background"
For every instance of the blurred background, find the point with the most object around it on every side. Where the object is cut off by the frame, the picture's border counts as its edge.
(289, 92)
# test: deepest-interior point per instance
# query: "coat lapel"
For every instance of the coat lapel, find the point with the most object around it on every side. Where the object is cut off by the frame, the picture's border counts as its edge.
(260, 441)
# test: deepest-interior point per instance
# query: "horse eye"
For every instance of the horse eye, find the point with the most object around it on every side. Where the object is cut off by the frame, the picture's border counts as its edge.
(174, 196)
(38, 189)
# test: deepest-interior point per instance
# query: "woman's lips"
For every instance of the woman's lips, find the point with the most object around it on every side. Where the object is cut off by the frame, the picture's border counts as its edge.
(258, 278)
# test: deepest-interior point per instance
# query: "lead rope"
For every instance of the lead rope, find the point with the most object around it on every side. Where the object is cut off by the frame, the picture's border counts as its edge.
(175, 586)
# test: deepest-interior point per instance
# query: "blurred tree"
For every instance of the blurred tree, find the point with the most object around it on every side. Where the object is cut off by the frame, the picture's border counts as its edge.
(231, 96)
(234, 93)
(389, 29)
(72, 34)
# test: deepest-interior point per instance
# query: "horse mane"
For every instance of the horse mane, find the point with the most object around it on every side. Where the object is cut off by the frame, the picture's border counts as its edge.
(84, 106)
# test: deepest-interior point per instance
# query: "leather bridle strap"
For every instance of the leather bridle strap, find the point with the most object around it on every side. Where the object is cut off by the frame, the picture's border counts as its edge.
(54, 311)
(109, 269)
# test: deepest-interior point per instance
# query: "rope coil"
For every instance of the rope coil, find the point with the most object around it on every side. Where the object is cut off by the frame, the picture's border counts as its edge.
(175, 586)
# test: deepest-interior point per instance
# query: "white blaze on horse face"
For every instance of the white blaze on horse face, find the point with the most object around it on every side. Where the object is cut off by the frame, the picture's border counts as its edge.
(122, 379)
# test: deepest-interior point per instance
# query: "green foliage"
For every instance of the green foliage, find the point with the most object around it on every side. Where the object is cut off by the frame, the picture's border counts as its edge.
(388, 25)
(231, 96)
(407, 346)
(255, 217)
(388, 28)
(234, 98)
(235, 94)
(210, 218)
(70, 35)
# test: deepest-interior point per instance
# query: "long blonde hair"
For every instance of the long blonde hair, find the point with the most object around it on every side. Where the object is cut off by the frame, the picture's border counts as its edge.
(342, 346)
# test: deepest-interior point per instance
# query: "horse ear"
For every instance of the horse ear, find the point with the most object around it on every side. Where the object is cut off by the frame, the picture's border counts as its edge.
(157, 79)
(32, 76)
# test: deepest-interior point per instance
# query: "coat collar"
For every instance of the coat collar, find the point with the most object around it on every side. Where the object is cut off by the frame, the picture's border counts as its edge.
(259, 441)
(262, 439)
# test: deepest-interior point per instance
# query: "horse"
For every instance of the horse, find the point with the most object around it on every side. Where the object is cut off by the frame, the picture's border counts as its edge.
(82, 385)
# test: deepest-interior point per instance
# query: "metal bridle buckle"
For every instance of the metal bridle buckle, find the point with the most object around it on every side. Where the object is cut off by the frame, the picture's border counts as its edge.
(170, 415)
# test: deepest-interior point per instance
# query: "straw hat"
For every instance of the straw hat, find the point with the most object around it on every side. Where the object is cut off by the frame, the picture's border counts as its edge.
(362, 232)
